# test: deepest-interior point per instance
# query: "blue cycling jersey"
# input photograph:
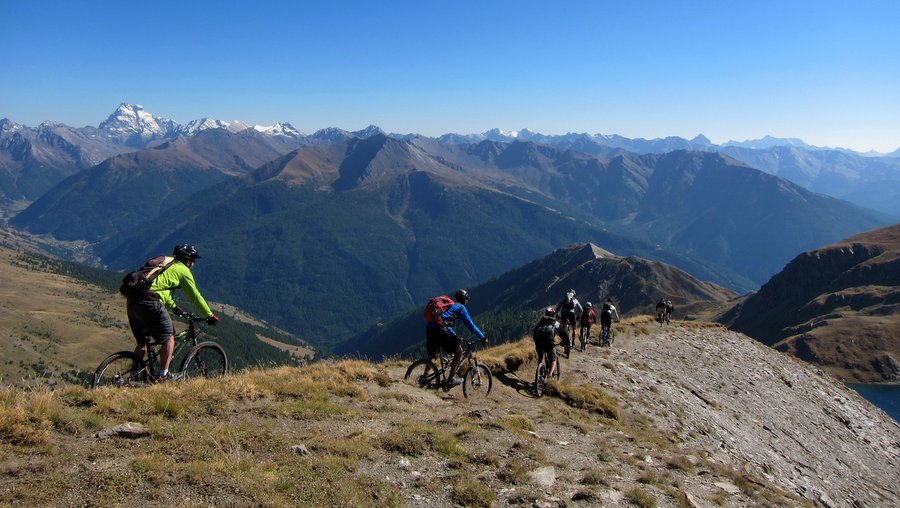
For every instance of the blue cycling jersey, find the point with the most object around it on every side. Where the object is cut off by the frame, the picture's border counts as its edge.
(455, 312)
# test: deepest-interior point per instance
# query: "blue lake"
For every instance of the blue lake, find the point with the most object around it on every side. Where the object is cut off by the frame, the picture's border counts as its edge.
(887, 397)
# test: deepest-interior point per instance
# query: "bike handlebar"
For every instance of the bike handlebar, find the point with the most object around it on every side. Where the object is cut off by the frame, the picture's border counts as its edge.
(192, 318)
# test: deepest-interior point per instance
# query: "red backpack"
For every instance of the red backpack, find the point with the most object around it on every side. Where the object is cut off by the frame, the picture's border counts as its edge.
(435, 307)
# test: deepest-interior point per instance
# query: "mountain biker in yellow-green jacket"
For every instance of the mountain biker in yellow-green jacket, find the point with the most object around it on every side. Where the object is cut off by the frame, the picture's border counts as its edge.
(179, 276)
(148, 318)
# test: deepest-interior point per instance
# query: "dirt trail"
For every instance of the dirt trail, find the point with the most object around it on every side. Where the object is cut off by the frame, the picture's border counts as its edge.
(706, 415)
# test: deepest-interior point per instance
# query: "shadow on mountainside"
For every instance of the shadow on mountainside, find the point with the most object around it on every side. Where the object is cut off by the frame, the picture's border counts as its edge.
(686, 415)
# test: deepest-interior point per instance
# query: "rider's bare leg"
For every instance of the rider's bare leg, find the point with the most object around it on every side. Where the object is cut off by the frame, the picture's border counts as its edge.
(167, 346)
(457, 358)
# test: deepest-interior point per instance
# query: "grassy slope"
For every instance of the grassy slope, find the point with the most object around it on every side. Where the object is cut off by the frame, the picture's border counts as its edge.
(55, 321)
(352, 433)
(640, 424)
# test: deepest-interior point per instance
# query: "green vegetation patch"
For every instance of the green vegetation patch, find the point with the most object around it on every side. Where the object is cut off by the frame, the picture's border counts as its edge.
(469, 491)
(517, 423)
(414, 438)
(640, 498)
(588, 398)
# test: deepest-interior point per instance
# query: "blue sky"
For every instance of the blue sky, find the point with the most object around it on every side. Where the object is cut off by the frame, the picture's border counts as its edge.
(827, 72)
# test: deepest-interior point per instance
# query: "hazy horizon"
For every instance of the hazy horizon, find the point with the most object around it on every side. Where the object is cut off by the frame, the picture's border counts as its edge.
(823, 73)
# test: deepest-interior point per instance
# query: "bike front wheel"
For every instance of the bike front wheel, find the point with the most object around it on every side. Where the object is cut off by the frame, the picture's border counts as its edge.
(478, 381)
(120, 370)
(206, 359)
(423, 373)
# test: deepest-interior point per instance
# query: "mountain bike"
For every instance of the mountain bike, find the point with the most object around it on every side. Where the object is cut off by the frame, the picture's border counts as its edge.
(477, 380)
(543, 369)
(607, 336)
(663, 317)
(129, 369)
(585, 337)
(569, 329)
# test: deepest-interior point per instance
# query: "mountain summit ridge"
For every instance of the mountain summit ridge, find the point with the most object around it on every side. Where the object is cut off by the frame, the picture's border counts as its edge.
(836, 306)
(132, 119)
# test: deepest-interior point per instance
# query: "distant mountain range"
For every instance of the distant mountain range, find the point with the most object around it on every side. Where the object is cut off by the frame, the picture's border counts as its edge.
(378, 224)
(300, 228)
(32, 160)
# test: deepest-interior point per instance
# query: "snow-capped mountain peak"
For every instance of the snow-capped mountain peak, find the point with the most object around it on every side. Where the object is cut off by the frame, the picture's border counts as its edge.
(496, 134)
(8, 126)
(236, 126)
(195, 126)
(132, 125)
(368, 132)
(133, 118)
(279, 129)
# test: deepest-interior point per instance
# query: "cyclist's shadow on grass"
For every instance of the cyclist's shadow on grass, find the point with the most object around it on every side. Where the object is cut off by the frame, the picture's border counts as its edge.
(523, 387)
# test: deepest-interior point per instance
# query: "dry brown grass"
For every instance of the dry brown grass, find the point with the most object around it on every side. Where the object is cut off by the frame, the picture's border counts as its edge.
(229, 441)
(588, 398)
(510, 356)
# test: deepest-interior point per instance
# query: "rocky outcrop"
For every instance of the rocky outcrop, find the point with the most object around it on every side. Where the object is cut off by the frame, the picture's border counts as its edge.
(760, 411)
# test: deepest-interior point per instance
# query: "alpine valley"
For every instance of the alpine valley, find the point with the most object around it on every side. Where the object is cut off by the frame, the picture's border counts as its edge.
(329, 234)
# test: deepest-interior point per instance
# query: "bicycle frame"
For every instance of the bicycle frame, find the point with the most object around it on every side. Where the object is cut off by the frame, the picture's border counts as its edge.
(186, 337)
(606, 336)
(477, 377)
(469, 358)
(551, 369)
(132, 368)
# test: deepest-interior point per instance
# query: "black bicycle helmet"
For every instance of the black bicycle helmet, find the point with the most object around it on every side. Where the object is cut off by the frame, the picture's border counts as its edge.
(550, 312)
(462, 295)
(185, 251)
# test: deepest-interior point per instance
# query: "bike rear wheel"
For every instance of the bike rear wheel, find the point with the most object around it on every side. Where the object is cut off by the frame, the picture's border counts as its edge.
(206, 359)
(478, 381)
(423, 373)
(120, 370)
(539, 375)
(584, 338)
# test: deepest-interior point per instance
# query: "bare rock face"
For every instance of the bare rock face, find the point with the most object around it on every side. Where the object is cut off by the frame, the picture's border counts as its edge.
(760, 410)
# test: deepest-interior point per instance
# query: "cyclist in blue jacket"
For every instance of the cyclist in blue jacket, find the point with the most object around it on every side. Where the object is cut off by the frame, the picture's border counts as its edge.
(445, 338)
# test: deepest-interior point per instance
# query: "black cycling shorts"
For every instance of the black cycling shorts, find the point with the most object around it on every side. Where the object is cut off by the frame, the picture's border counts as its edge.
(149, 319)
(545, 347)
(606, 319)
(439, 338)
